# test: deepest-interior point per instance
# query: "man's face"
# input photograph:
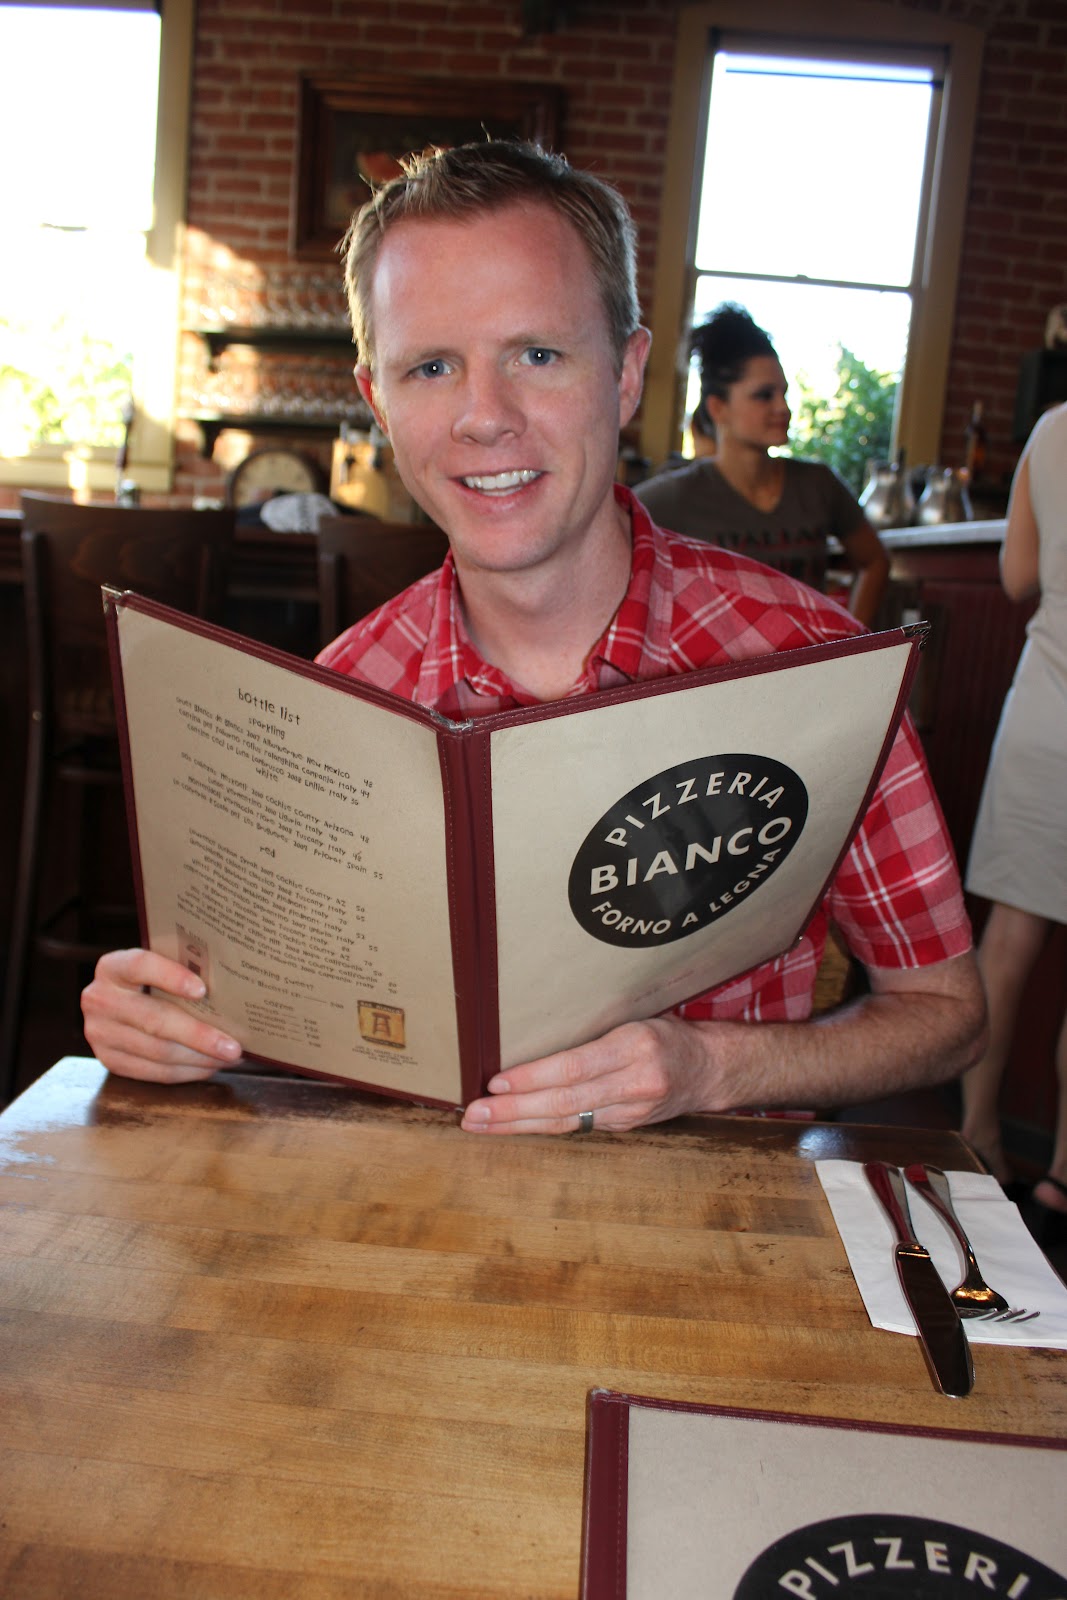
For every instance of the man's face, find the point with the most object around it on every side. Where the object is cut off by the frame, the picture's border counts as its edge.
(496, 382)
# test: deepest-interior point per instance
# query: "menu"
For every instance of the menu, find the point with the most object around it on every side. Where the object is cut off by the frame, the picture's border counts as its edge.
(705, 1502)
(377, 894)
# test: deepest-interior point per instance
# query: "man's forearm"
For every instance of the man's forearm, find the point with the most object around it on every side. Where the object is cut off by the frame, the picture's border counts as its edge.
(916, 1027)
(865, 595)
(881, 1044)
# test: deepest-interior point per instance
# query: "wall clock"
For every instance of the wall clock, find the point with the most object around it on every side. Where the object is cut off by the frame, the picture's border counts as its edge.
(271, 470)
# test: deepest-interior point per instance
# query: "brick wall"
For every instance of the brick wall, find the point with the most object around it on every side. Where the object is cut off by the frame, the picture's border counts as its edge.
(614, 63)
(1014, 265)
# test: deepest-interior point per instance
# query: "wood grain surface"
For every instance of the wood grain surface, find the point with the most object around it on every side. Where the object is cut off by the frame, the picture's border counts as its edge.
(273, 1340)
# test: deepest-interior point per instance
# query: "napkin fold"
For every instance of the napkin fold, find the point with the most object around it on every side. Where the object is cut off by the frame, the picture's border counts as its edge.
(1009, 1257)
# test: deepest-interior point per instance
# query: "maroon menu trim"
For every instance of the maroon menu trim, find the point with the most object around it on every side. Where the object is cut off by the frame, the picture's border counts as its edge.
(464, 769)
(604, 1513)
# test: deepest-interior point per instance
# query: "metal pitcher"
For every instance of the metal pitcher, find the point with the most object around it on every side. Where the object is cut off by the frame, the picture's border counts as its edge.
(887, 500)
(945, 499)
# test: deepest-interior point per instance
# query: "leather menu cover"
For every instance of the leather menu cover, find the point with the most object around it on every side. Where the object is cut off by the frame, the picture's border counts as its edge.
(375, 894)
(722, 1504)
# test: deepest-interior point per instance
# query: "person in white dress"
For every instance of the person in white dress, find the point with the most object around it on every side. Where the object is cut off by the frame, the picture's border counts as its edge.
(1018, 857)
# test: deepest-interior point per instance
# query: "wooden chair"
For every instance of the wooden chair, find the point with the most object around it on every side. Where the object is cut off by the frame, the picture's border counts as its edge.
(839, 977)
(63, 907)
(363, 562)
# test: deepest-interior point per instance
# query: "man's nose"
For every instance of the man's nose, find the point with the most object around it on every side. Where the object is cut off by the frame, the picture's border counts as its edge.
(489, 407)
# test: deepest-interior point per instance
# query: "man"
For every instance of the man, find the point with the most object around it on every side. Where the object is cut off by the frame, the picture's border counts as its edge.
(493, 302)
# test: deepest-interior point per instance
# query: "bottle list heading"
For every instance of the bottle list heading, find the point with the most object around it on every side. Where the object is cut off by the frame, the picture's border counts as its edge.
(269, 709)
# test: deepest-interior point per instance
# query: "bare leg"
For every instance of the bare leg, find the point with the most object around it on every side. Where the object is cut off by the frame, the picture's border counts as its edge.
(1011, 943)
(1045, 1193)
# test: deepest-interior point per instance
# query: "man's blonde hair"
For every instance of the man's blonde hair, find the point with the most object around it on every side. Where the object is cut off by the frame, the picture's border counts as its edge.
(473, 179)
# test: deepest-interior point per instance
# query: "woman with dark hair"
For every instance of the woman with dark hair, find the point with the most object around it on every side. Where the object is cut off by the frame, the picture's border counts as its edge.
(777, 509)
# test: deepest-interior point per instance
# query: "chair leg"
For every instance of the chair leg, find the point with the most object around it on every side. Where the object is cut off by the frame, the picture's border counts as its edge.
(22, 914)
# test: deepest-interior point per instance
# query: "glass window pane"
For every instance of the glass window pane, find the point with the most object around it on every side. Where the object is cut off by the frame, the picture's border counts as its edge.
(809, 323)
(78, 115)
(70, 320)
(77, 168)
(813, 168)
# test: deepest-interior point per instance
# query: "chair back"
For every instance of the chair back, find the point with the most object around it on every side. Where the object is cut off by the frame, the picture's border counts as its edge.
(363, 562)
(179, 557)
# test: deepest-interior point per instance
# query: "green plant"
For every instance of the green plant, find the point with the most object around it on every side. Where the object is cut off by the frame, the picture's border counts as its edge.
(851, 426)
(63, 386)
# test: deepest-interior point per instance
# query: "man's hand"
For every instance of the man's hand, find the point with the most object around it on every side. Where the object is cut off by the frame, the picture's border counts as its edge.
(917, 1027)
(142, 1035)
(640, 1072)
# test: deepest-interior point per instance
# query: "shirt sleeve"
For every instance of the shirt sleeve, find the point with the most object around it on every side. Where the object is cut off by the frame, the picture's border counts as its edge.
(387, 647)
(897, 897)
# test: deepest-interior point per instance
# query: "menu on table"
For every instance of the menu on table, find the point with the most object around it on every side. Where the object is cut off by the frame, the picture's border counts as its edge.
(721, 1504)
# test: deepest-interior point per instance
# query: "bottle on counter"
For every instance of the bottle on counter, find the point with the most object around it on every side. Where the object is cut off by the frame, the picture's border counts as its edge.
(122, 483)
(975, 448)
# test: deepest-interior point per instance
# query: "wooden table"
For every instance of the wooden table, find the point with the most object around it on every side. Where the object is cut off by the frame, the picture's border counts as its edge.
(272, 1340)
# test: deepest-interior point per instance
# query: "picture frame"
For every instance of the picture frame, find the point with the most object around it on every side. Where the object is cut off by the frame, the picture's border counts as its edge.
(351, 130)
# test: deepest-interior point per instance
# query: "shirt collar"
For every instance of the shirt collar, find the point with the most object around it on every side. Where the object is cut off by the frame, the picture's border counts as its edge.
(637, 640)
(636, 643)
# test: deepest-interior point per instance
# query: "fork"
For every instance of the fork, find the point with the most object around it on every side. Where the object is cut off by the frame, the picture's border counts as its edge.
(972, 1297)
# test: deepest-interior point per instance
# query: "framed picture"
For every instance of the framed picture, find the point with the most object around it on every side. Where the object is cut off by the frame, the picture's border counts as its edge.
(352, 132)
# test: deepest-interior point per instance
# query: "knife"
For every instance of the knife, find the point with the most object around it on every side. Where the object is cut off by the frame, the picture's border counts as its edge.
(944, 1343)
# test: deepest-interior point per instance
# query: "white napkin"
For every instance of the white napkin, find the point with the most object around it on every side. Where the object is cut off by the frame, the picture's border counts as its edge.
(296, 513)
(1008, 1255)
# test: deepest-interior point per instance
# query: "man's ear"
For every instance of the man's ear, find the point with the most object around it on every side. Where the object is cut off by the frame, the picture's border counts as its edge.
(632, 376)
(365, 385)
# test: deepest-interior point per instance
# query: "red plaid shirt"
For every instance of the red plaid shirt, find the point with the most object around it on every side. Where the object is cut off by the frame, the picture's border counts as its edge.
(896, 897)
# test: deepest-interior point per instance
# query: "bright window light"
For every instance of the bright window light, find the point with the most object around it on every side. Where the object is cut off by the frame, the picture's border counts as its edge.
(811, 205)
(77, 158)
(815, 166)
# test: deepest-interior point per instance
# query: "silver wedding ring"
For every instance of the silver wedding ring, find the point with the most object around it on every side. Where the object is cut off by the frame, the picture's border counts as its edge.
(585, 1122)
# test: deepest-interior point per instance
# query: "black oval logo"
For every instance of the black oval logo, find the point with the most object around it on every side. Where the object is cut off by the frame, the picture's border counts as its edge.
(883, 1557)
(686, 847)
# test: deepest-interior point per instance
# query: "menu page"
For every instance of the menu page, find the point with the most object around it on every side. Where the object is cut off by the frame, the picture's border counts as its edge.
(293, 852)
(665, 844)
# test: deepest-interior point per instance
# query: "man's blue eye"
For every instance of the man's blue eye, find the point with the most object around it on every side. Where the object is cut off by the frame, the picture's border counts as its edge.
(539, 355)
(431, 369)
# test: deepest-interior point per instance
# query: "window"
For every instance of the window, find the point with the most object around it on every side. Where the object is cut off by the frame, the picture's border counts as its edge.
(844, 226)
(92, 168)
(827, 258)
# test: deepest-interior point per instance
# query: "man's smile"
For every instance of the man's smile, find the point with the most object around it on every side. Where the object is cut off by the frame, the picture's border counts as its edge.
(501, 482)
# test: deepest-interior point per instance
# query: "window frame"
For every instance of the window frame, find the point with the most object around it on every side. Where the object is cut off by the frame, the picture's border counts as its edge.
(921, 402)
(151, 456)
